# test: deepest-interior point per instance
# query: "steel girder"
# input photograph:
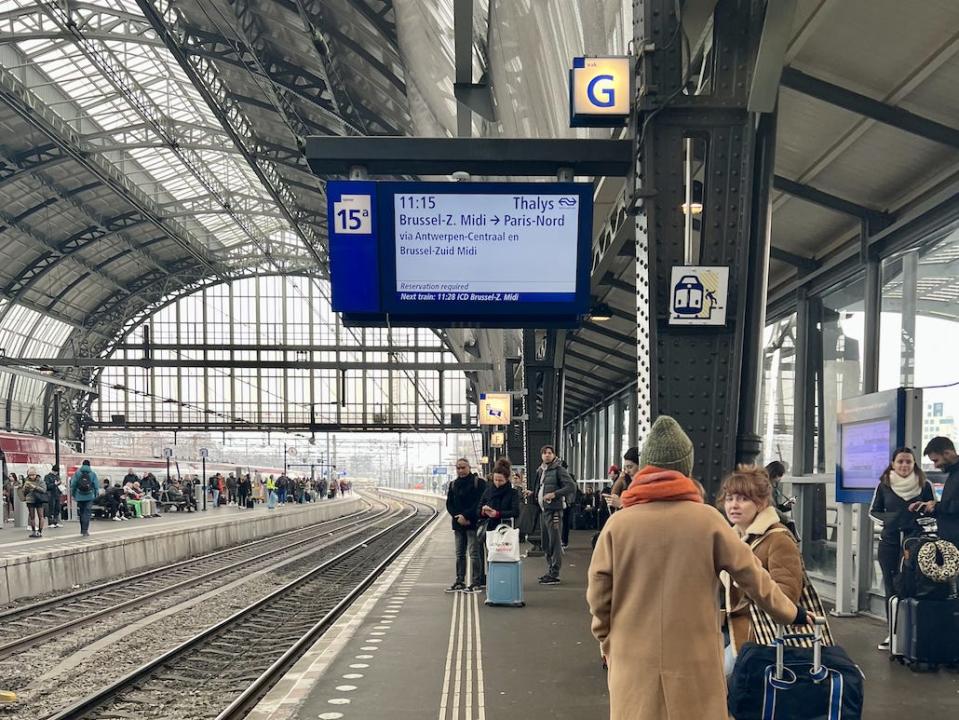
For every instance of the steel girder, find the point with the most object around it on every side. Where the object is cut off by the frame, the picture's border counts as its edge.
(253, 54)
(101, 229)
(48, 245)
(877, 110)
(102, 57)
(320, 427)
(143, 135)
(34, 112)
(169, 22)
(380, 13)
(102, 362)
(95, 21)
(315, 20)
(827, 200)
(22, 164)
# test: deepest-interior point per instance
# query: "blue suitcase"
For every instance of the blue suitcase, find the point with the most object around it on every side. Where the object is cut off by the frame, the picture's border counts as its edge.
(504, 584)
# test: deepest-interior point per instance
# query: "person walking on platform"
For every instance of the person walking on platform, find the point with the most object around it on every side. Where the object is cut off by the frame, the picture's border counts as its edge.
(33, 492)
(231, 489)
(270, 493)
(653, 589)
(84, 487)
(942, 452)
(555, 487)
(52, 481)
(243, 491)
(462, 503)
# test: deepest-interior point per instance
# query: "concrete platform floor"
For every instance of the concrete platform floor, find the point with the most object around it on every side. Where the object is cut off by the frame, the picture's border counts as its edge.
(408, 650)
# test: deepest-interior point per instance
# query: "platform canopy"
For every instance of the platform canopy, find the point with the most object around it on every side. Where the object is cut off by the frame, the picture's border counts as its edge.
(147, 146)
(867, 135)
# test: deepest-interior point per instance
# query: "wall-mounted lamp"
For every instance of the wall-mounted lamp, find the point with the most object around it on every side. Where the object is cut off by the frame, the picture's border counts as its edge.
(601, 312)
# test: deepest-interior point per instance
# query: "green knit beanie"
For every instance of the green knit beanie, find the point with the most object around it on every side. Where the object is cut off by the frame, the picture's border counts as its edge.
(668, 447)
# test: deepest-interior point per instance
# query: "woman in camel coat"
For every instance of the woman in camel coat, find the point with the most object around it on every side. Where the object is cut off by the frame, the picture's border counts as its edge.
(654, 588)
(746, 497)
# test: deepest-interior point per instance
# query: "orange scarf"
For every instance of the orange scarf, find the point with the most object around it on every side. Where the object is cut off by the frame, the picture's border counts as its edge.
(653, 484)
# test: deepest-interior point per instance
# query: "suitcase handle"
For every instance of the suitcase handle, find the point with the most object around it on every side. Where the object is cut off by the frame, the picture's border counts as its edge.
(818, 672)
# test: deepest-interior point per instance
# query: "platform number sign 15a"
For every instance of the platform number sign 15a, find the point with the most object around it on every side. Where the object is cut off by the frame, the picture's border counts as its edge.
(351, 215)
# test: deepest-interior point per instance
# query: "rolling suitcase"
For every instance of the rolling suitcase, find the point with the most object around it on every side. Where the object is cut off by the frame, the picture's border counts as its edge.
(250, 503)
(924, 634)
(504, 583)
(786, 683)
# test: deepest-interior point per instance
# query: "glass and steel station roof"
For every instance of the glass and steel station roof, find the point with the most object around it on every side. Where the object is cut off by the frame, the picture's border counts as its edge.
(147, 146)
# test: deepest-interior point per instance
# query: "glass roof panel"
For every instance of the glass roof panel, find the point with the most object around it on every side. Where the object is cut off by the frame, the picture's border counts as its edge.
(99, 75)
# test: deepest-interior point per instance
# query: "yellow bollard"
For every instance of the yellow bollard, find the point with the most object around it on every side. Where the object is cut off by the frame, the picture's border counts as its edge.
(7, 697)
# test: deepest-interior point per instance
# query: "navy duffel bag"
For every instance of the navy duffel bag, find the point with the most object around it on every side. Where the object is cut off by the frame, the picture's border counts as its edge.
(757, 691)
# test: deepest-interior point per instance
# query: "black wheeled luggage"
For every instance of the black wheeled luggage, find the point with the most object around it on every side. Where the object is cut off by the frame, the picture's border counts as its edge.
(787, 683)
(924, 634)
(250, 503)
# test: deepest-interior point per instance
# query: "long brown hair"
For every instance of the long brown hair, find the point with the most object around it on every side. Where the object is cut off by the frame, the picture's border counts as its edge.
(920, 475)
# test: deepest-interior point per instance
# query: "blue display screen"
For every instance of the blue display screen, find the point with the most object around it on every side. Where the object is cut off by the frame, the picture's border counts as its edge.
(451, 250)
(865, 452)
(870, 427)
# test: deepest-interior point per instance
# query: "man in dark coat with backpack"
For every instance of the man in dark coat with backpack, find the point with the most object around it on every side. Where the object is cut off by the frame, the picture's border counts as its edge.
(462, 503)
(84, 487)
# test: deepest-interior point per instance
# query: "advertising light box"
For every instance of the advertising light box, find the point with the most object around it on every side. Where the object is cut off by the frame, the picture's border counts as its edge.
(501, 254)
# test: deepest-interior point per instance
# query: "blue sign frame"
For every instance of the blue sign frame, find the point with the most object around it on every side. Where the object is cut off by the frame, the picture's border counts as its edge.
(888, 406)
(363, 266)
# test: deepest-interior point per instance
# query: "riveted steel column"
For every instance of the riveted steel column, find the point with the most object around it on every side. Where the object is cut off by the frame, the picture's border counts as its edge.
(695, 373)
(542, 362)
(748, 439)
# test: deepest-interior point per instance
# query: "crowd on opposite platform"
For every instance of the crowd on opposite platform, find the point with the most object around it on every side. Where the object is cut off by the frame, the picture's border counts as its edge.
(47, 498)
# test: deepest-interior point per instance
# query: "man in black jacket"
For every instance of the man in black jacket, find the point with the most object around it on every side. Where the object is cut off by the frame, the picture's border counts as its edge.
(555, 485)
(462, 503)
(942, 452)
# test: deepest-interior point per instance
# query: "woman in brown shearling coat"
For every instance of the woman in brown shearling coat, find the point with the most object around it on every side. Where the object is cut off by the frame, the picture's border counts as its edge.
(746, 497)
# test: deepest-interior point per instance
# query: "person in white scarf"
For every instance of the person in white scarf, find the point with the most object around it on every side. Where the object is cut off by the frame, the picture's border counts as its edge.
(901, 484)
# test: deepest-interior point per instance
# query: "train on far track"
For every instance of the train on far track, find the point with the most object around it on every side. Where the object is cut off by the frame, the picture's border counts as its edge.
(21, 451)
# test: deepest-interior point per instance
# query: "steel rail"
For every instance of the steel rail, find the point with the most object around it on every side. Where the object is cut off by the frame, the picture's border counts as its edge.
(27, 641)
(86, 708)
(247, 700)
(41, 604)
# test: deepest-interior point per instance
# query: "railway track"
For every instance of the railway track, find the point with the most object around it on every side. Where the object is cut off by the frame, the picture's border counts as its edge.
(225, 669)
(18, 626)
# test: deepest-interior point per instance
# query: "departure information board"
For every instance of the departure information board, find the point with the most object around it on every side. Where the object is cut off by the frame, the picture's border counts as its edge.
(461, 252)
